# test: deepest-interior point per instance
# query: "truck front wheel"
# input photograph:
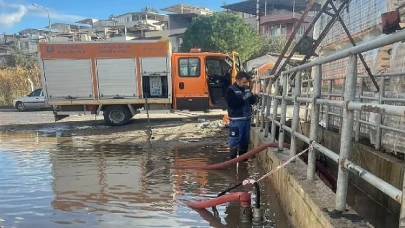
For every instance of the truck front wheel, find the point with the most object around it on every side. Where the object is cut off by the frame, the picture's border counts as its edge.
(117, 115)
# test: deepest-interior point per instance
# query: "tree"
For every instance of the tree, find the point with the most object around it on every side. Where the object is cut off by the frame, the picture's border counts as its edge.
(274, 45)
(305, 48)
(19, 58)
(24, 60)
(222, 32)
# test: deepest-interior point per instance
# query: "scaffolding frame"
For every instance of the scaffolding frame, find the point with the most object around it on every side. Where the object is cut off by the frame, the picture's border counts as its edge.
(336, 16)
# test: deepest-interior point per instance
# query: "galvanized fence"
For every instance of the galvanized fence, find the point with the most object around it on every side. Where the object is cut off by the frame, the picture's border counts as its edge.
(351, 107)
(370, 127)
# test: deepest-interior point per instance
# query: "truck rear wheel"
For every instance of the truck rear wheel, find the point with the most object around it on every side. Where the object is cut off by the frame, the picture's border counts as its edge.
(117, 115)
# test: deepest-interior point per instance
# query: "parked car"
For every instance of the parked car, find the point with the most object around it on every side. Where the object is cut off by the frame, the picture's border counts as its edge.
(34, 100)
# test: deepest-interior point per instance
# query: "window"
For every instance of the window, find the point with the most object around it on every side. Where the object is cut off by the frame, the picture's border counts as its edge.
(301, 31)
(179, 41)
(36, 93)
(214, 67)
(189, 67)
(277, 30)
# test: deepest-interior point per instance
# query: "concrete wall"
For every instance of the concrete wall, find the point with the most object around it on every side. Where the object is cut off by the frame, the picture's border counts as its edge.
(309, 204)
(382, 165)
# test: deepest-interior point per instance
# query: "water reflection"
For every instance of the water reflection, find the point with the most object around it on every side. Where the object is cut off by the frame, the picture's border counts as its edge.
(71, 182)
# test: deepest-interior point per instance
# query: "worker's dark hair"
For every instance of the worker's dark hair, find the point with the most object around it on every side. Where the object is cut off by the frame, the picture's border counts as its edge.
(241, 74)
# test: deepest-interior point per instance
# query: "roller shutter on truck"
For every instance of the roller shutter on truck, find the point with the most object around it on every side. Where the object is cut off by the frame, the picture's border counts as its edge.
(117, 78)
(154, 65)
(68, 78)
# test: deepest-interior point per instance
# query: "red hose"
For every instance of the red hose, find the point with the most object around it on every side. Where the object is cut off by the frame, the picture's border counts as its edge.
(235, 160)
(243, 197)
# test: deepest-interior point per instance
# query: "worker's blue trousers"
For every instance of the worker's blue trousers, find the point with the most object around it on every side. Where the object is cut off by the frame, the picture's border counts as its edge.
(239, 131)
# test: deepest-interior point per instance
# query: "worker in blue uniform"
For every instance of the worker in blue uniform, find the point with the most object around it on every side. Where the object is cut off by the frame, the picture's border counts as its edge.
(240, 99)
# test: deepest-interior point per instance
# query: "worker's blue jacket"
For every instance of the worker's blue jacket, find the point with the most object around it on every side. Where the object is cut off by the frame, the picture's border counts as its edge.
(238, 108)
(240, 114)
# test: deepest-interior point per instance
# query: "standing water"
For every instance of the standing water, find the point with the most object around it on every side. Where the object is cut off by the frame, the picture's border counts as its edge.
(71, 182)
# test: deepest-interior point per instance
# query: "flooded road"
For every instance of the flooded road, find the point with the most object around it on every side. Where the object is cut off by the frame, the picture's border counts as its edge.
(60, 181)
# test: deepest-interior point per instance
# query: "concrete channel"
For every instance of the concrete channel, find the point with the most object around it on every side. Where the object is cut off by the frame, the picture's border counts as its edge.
(367, 205)
(308, 204)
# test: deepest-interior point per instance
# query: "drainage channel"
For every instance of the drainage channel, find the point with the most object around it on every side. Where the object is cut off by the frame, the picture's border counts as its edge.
(70, 182)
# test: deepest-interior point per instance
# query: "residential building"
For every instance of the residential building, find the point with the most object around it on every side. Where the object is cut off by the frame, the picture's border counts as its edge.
(178, 23)
(29, 38)
(101, 29)
(127, 26)
(145, 24)
(4, 52)
(184, 9)
(179, 18)
(148, 18)
(69, 32)
(277, 18)
(6, 41)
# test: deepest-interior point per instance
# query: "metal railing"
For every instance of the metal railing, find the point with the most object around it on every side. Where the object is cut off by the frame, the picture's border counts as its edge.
(380, 98)
(351, 106)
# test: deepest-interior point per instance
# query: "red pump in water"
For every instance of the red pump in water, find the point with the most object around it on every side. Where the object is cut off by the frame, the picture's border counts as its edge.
(243, 197)
(246, 213)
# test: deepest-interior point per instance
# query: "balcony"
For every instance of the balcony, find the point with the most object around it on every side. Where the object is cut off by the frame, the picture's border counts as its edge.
(281, 18)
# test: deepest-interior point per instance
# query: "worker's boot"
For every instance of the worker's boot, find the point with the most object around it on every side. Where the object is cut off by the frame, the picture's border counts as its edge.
(243, 149)
(233, 152)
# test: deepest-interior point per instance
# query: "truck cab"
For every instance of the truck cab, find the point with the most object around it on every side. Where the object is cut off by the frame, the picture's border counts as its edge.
(200, 80)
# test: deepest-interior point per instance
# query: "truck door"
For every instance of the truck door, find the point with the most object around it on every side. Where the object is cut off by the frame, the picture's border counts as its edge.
(190, 88)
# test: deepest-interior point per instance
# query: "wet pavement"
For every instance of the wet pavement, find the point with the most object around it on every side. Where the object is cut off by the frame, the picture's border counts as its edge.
(63, 181)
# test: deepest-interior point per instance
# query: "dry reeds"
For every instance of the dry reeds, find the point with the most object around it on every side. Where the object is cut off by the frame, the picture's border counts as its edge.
(16, 82)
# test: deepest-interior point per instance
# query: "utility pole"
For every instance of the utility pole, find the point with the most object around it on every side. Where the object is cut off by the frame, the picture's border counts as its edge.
(49, 18)
(258, 16)
(293, 9)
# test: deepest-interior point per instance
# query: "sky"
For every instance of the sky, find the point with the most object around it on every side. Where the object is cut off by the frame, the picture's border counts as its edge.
(16, 15)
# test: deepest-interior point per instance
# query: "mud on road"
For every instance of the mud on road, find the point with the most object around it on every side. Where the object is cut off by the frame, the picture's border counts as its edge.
(168, 130)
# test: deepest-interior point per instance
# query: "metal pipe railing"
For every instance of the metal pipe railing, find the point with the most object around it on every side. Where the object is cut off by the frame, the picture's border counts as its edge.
(268, 107)
(313, 133)
(263, 101)
(347, 134)
(283, 113)
(296, 114)
(352, 106)
(366, 46)
(275, 108)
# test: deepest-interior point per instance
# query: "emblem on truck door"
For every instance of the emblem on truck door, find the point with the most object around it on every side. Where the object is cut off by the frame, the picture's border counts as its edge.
(50, 49)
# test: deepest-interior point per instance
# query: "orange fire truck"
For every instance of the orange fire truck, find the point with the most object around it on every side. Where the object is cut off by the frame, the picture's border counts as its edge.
(123, 79)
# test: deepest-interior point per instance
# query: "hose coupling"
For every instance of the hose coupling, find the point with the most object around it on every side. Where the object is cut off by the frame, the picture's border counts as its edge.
(246, 214)
(257, 215)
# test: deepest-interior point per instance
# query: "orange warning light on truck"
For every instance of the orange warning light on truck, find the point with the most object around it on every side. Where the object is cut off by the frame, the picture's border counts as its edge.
(121, 79)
